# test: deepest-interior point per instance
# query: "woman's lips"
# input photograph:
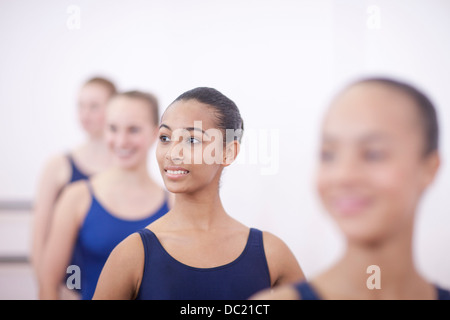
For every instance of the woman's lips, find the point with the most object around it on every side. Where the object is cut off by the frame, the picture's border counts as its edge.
(175, 172)
(124, 153)
(350, 205)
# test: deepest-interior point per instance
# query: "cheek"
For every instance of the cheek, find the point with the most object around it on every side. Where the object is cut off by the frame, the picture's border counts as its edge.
(396, 198)
(140, 142)
(395, 187)
(208, 159)
(99, 117)
(160, 155)
(204, 174)
(324, 184)
(213, 152)
(393, 192)
(142, 139)
(387, 189)
(194, 155)
(320, 186)
(83, 114)
(109, 138)
(387, 181)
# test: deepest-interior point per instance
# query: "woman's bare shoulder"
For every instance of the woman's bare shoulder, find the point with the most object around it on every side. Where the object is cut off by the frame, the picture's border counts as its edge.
(75, 198)
(56, 170)
(122, 273)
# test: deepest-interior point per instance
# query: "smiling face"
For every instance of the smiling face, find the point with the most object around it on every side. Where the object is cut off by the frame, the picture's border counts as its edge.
(190, 150)
(372, 171)
(130, 131)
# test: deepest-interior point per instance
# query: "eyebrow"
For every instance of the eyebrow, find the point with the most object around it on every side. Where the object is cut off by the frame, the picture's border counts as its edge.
(371, 137)
(188, 129)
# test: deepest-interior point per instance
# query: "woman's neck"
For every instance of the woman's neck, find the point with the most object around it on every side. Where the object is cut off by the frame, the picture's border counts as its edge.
(135, 176)
(96, 150)
(201, 210)
(95, 142)
(383, 270)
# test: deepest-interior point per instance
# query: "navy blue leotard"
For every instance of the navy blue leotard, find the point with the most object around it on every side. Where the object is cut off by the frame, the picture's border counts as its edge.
(165, 278)
(77, 174)
(100, 233)
(307, 292)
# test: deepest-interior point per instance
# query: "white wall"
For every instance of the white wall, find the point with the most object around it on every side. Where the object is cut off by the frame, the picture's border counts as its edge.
(280, 61)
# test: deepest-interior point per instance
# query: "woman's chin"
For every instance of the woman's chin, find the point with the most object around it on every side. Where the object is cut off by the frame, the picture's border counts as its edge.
(127, 164)
(175, 189)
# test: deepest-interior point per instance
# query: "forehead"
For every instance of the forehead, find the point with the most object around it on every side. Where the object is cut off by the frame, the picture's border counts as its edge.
(128, 108)
(184, 113)
(371, 108)
(94, 89)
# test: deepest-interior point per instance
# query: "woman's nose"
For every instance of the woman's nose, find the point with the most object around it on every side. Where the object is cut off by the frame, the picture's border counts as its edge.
(175, 153)
(347, 171)
(121, 139)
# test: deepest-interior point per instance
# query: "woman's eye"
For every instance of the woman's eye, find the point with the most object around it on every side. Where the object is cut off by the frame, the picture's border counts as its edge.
(163, 138)
(134, 129)
(193, 140)
(112, 128)
(374, 155)
(327, 156)
(94, 106)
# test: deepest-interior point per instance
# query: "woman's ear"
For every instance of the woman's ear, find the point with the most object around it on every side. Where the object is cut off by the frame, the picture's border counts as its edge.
(231, 151)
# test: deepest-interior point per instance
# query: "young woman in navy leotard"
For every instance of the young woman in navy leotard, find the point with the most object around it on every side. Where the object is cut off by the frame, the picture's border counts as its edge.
(86, 159)
(379, 155)
(197, 250)
(95, 215)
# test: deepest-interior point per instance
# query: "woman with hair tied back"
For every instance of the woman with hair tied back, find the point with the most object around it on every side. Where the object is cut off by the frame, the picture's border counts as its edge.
(197, 251)
(379, 154)
(78, 164)
(95, 215)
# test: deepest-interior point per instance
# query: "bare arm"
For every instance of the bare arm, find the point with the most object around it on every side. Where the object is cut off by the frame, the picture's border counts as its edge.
(54, 177)
(283, 265)
(284, 270)
(65, 225)
(122, 273)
